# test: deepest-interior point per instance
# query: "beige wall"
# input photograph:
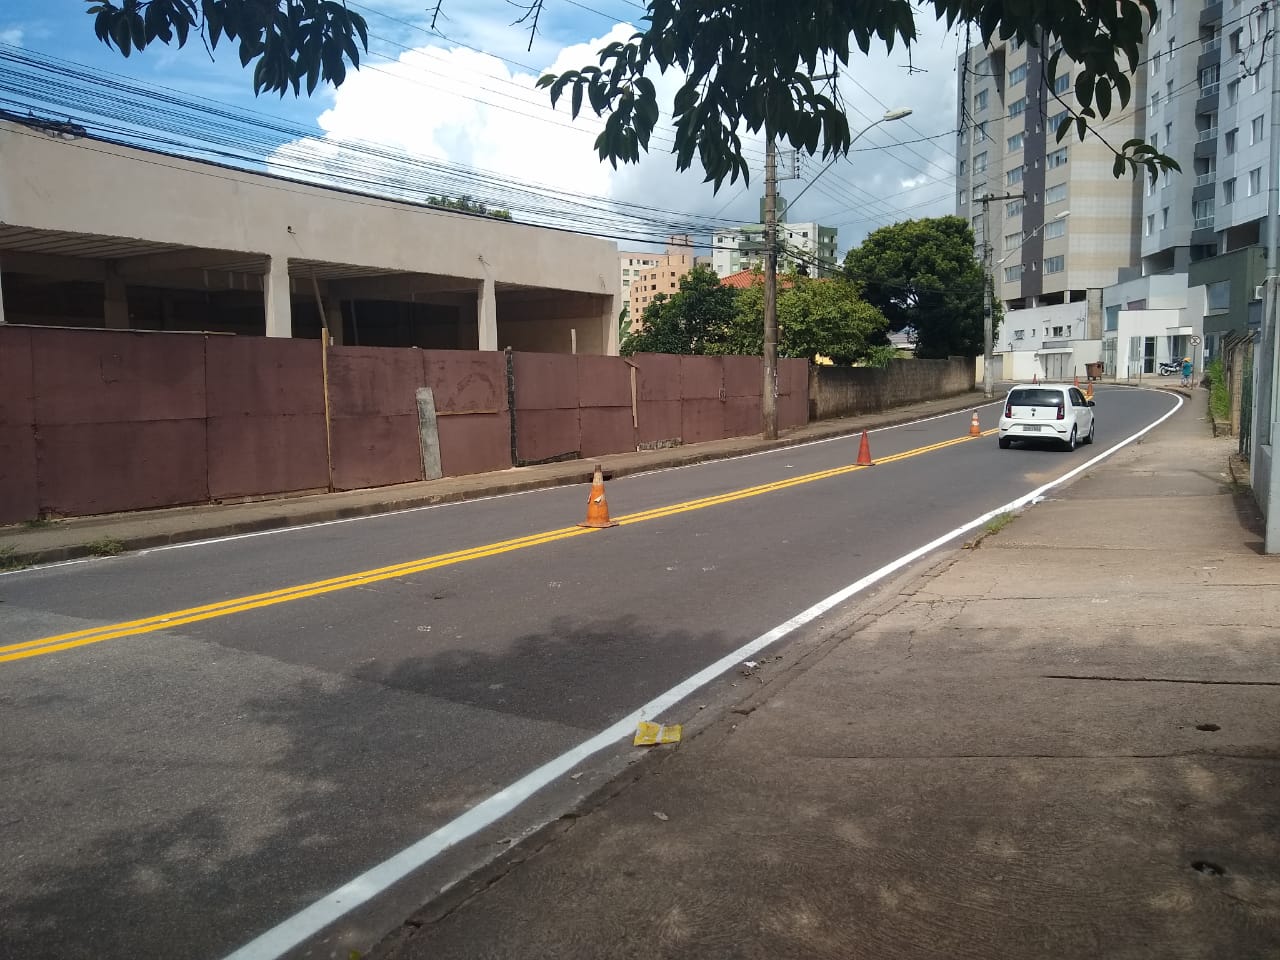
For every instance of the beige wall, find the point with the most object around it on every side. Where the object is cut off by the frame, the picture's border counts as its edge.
(85, 186)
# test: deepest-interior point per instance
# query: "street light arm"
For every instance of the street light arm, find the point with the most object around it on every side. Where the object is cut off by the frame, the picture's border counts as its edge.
(1000, 262)
(890, 115)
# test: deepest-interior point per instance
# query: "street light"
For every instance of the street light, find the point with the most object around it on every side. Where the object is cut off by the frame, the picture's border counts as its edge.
(769, 400)
(889, 115)
(988, 295)
(1064, 213)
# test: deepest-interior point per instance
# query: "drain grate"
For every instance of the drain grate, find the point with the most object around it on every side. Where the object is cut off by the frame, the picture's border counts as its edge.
(1208, 727)
(1208, 868)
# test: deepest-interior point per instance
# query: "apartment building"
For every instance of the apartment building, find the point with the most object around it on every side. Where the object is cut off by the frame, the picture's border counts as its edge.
(662, 276)
(631, 264)
(803, 247)
(1063, 224)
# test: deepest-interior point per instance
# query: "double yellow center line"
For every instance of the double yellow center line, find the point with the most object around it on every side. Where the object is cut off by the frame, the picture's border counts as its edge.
(224, 608)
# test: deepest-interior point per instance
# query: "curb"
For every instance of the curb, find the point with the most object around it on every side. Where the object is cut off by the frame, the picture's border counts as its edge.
(324, 514)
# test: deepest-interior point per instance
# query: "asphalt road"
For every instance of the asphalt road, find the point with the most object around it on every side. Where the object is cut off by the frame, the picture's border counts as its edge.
(177, 786)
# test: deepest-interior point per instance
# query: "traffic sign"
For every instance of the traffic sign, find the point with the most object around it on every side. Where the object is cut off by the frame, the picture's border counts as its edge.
(1195, 341)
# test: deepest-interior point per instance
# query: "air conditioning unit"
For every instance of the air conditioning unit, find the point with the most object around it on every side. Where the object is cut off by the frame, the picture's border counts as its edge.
(1260, 291)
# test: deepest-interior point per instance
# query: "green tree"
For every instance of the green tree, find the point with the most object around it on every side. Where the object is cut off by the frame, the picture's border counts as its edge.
(683, 322)
(746, 67)
(827, 317)
(923, 274)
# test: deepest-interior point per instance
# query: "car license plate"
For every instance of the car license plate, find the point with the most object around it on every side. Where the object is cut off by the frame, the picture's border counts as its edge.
(1031, 427)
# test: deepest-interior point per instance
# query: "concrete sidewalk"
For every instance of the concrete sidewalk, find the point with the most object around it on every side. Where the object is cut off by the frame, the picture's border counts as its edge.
(1063, 742)
(85, 536)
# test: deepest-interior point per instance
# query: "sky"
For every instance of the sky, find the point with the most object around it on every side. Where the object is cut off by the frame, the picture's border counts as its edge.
(464, 94)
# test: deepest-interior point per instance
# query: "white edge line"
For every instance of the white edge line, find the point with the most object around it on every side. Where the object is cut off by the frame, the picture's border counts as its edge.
(288, 934)
(295, 528)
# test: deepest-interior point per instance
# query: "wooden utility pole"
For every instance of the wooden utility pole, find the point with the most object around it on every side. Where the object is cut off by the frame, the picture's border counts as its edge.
(769, 398)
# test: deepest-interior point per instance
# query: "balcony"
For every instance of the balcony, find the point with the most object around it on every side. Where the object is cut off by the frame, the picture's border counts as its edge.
(1209, 133)
(1203, 223)
(1205, 179)
(1210, 46)
(1209, 89)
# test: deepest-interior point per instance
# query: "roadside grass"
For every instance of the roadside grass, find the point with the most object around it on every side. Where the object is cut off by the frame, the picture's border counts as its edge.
(994, 526)
(106, 547)
(39, 523)
(1219, 400)
(9, 560)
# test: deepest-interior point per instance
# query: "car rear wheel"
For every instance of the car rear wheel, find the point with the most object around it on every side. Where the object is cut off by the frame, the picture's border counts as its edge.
(1004, 443)
(1089, 439)
(1071, 440)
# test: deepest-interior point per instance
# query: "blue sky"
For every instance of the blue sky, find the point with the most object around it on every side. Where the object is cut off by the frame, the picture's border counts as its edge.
(448, 102)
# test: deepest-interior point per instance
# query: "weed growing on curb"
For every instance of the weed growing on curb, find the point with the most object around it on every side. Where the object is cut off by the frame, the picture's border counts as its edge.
(9, 561)
(106, 547)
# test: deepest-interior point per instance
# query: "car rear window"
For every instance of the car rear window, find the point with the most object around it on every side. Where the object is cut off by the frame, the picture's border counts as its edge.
(1036, 398)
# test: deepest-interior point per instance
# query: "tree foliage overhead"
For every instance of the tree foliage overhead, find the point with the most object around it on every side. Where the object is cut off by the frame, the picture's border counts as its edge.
(748, 65)
(923, 274)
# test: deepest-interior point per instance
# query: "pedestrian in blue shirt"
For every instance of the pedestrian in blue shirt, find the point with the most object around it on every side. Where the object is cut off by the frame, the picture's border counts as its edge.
(1187, 371)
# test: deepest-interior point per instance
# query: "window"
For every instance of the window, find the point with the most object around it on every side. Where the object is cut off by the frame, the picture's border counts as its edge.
(1233, 92)
(963, 165)
(1018, 334)
(1149, 226)
(1168, 132)
(980, 162)
(1061, 331)
(1056, 159)
(1013, 177)
(1055, 228)
(1228, 191)
(1055, 120)
(1055, 264)
(1164, 218)
(964, 197)
(1255, 181)
(1154, 108)
(1155, 63)
(1016, 107)
(1014, 143)
(980, 100)
(983, 68)
(1013, 208)
(1202, 211)
(1209, 81)
(1061, 83)
(1233, 42)
(1015, 44)
(1219, 295)
(1017, 74)
(1229, 142)
(1257, 80)
(1255, 131)
(1055, 194)
(1012, 241)
(1013, 275)
(980, 131)
(963, 135)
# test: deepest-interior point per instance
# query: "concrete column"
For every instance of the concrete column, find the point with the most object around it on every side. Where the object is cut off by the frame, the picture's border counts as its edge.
(276, 300)
(115, 306)
(1, 296)
(333, 319)
(487, 315)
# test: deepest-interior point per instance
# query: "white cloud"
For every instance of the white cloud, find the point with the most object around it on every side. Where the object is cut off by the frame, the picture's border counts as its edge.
(456, 106)
(12, 36)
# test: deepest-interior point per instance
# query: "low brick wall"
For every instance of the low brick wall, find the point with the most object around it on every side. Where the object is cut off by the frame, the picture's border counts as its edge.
(850, 391)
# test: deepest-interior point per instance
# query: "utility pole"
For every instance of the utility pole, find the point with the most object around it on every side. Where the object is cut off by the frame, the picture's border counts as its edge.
(769, 398)
(1267, 366)
(988, 321)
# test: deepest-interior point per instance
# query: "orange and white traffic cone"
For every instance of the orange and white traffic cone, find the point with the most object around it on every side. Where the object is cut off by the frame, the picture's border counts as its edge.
(864, 452)
(598, 506)
(975, 428)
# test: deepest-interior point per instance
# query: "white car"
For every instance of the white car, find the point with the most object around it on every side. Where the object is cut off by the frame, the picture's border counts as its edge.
(1055, 412)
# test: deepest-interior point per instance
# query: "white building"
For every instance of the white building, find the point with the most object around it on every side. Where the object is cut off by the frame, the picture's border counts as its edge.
(94, 234)
(1149, 321)
(808, 247)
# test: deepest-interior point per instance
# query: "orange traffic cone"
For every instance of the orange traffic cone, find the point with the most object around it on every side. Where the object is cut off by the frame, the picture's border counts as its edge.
(597, 506)
(975, 428)
(864, 452)
(1035, 378)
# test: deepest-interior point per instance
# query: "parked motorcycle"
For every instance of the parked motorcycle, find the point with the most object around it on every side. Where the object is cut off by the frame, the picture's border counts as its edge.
(1169, 367)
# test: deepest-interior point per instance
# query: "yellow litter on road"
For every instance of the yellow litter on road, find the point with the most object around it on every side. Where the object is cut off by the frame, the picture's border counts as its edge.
(650, 734)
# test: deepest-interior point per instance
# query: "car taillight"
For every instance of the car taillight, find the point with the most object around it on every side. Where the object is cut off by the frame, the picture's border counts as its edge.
(1062, 412)
(1008, 410)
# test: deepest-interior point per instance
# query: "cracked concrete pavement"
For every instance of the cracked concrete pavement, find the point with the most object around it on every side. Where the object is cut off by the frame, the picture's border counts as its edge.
(1063, 742)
